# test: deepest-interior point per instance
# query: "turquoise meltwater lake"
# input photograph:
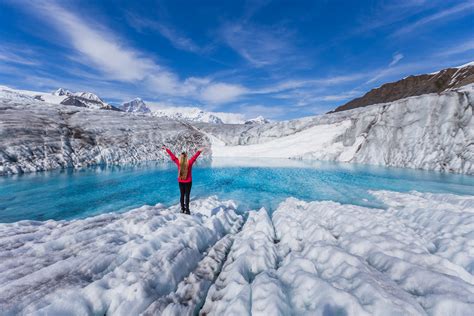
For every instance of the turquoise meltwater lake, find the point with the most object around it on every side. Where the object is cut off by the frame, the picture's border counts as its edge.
(253, 183)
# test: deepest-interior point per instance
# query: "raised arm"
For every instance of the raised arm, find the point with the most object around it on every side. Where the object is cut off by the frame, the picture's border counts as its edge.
(173, 157)
(193, 158)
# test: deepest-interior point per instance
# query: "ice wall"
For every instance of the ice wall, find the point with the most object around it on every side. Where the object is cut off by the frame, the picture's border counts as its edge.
(35, 136)
(432, 132)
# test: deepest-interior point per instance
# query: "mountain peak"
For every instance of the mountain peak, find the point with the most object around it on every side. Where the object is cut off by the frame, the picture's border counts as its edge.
(61, 92)
(136, 105)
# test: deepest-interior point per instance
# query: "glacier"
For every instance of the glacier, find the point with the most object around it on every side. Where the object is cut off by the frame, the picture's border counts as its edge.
(431, 132)
(37, 136)
(415, 257)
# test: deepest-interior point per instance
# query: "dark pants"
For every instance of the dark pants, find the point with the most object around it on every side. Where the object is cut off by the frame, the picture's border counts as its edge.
(185, 189)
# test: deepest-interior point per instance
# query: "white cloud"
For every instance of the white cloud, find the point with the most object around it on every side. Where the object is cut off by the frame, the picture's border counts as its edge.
(7, 55)
(222, 92)
(386, 71)
(175, 37)
(456, 49)
(272, 112)
(309, 83)
(460, 9)
(101, 49)
(260, 46)
(395, 59)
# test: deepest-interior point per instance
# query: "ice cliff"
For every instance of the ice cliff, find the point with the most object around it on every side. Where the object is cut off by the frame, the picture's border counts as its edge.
(37, 136)
(433, 132)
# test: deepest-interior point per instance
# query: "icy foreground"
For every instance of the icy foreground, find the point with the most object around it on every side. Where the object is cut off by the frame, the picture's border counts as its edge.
(433, 132)
(309, 258)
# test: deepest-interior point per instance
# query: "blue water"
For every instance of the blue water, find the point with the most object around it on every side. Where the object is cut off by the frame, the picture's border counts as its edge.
(68, 194)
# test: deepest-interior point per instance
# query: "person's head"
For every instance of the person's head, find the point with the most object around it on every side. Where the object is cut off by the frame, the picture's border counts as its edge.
(183, 166)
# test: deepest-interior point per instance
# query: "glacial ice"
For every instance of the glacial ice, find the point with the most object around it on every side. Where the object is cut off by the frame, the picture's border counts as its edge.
(36, 136)
(433, 132)
(112, 263)
(415, 257)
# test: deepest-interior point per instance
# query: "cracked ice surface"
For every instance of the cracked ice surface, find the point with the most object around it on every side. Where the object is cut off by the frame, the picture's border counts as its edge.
(309, 258)
(36, 136)
(113, 263)
(330, 258)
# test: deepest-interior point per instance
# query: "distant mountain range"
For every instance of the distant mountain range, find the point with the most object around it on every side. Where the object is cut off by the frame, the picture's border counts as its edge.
(83, 99)
(416, 85)
(437, 82)
(190, 114)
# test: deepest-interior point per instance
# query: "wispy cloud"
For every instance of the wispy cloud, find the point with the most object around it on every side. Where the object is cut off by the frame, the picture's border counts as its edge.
(457, 10)
(310, 83)
(16, 55)
(458, 48)
(176, 38)
(395, 59)
(388, 13)
(388, 70)
(105, 51)
(260, 46)
(100, 48)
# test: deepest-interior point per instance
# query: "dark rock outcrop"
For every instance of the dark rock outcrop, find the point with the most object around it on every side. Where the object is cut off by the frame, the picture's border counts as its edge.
(87, 103)
(413, 86)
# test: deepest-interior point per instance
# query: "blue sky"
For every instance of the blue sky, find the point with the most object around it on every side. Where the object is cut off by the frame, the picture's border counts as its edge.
(280, 59)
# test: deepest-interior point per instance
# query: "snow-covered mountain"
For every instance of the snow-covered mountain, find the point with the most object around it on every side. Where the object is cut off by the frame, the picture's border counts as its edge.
(62, 92)
(60, 96)
(135, 106)
(190, 114)
(258, 120)
(83, 99)
(197, 115)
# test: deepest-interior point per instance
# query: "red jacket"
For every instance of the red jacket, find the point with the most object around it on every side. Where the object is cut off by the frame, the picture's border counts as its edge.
(190, 165)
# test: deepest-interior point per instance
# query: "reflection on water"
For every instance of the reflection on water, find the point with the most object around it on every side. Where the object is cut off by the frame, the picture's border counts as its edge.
(69, 193)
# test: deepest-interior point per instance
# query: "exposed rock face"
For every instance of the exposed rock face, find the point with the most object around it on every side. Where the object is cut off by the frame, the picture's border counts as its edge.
(88, 103)
(413, 86)
(36, 137)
